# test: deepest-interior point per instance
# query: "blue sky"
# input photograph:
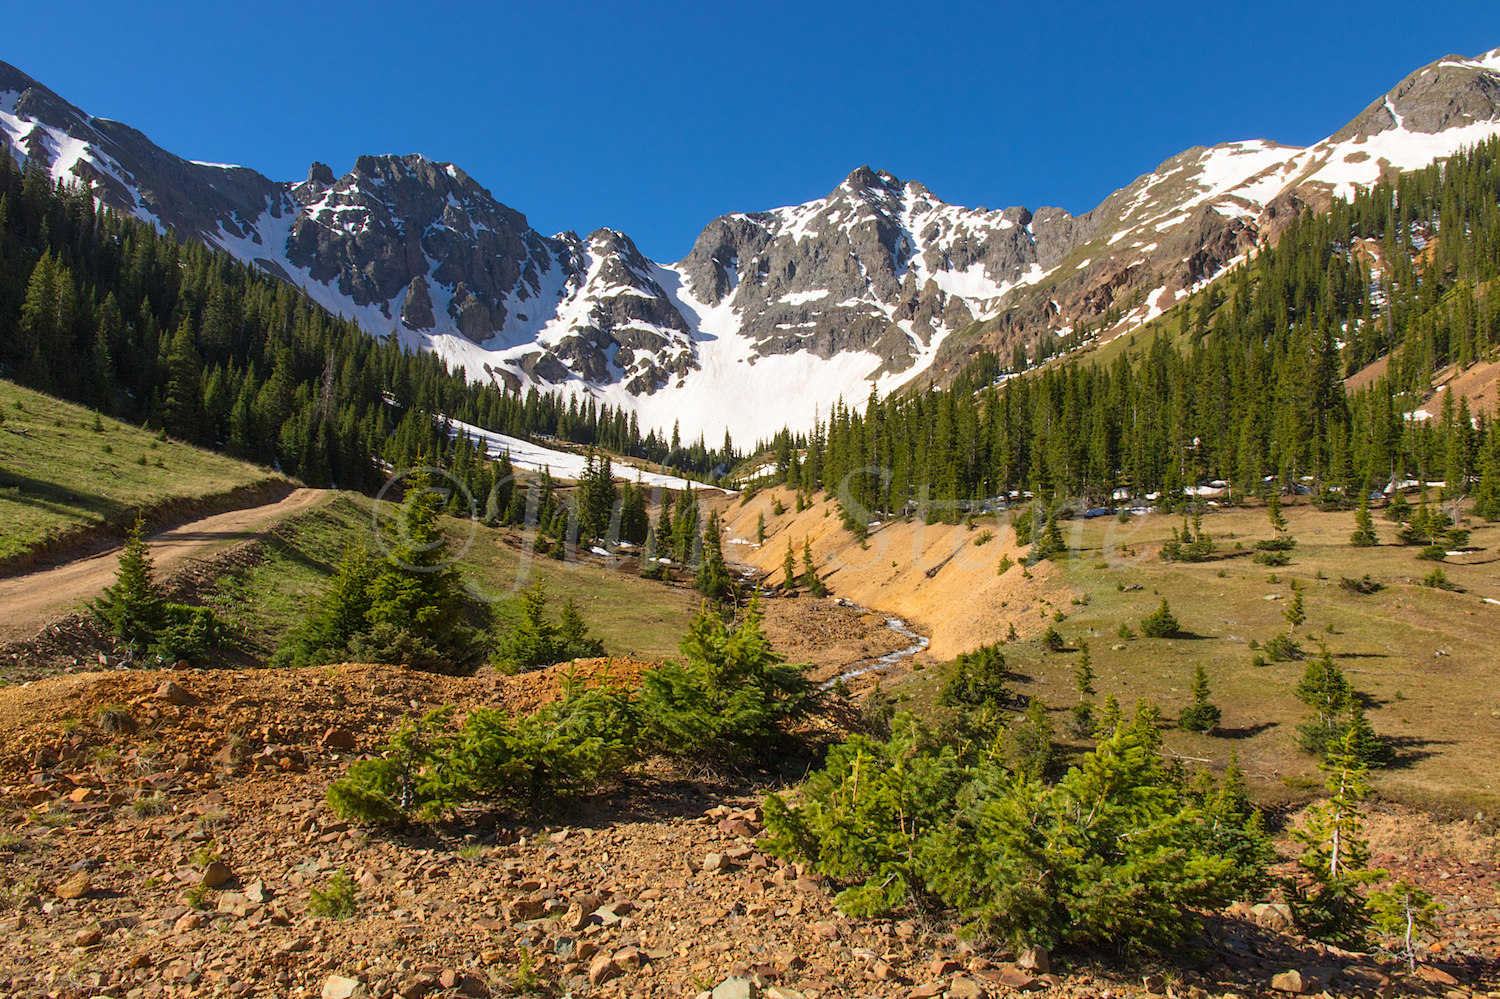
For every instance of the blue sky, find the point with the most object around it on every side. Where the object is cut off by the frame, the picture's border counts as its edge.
(654, 118)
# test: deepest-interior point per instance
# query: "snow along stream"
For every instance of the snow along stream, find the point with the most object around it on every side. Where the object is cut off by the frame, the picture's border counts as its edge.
(886, 661)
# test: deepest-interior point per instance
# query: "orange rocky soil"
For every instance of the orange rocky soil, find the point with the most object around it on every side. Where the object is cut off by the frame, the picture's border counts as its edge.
(963, 603)
(656, 887)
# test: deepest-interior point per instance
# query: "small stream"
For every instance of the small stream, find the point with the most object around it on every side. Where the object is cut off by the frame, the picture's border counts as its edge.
(748, 574)
(886, 661)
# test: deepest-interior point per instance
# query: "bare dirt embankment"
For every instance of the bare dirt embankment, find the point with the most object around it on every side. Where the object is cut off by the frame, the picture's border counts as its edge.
(29, 601)
(935, 576)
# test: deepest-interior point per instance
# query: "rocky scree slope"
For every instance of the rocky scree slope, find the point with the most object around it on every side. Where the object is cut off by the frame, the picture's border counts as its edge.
(772, 314)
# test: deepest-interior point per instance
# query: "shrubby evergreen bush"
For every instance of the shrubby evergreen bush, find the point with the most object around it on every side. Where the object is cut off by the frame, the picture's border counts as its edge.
(1118, 854)
(977, 680)
(1202, 715)
(732, 699)
(525, 763)
(535, 642)
(1338, 723)
(408, 607)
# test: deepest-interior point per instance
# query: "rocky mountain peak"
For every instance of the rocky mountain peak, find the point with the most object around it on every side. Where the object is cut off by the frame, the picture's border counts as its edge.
(863, 178)
(1452, 92)
(878, 282)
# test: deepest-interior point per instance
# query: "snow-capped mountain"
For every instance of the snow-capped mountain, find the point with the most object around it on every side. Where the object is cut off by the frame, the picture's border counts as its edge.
(773, 314)
(1150, 243)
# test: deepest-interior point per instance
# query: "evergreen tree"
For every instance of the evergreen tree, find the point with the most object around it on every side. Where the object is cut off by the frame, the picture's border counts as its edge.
(1083, 673)
(789, 568)
(810, 572)
(1294, 612)
(1273, 513)
(977, 681)
(635, 523)
(1331, 907)
(1031, 747)
(182, 408)
(132, 609)
(1202, 715)
(1326, 690)
(533, 642)
(1404, 909)
(339, 615)
(1487, 493)
(417, 589)
(1364, 526)
(573, 633)
(597, 497)
(1160, 623)
(730, 699)
(1361, 742)
(1081, 715)
(713, 580)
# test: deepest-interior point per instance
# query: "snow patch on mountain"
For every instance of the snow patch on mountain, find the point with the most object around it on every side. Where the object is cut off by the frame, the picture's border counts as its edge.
(534, 457)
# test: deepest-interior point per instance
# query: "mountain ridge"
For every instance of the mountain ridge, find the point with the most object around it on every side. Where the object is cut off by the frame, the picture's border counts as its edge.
(773, 314)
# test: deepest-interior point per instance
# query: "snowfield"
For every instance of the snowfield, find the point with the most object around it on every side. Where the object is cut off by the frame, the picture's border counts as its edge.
(534, 457)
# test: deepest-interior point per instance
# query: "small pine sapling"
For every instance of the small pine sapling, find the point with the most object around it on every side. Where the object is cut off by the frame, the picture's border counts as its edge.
(1364, 526)
(1295, 613)
(1202, 715)
(810, 572)
(1274, 515)
(1330, 907)
(1031, 741)
(1405, 910)
(1161, 623)
(1082, 713)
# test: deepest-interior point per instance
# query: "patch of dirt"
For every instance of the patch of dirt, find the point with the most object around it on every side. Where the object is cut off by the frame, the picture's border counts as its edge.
(255, 708)
(1477, 383)
(828, 636)
(1368, 375)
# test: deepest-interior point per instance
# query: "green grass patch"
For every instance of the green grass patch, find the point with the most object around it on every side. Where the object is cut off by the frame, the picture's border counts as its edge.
(62, 473)
(633, 616)
(1387, 630)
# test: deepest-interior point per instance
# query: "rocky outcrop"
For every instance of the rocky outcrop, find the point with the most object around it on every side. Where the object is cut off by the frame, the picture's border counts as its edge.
(416, 307)
(130, 173)
(1450, 93)
(396, 218)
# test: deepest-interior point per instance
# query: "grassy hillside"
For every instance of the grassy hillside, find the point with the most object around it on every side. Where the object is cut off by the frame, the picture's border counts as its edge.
(1422, 656)
(269, 593)
(63, 476)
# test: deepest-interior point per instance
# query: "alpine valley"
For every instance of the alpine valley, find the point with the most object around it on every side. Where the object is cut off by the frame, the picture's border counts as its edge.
(773, 315)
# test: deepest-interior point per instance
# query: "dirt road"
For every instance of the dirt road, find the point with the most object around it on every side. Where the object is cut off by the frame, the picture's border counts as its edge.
(28, 602)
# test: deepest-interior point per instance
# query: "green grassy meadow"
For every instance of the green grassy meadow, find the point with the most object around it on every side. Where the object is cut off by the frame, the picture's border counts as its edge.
(1427, 660)
(61, 477)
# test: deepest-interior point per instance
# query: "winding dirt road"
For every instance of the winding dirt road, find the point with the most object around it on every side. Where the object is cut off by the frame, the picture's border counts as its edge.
(28, 602)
